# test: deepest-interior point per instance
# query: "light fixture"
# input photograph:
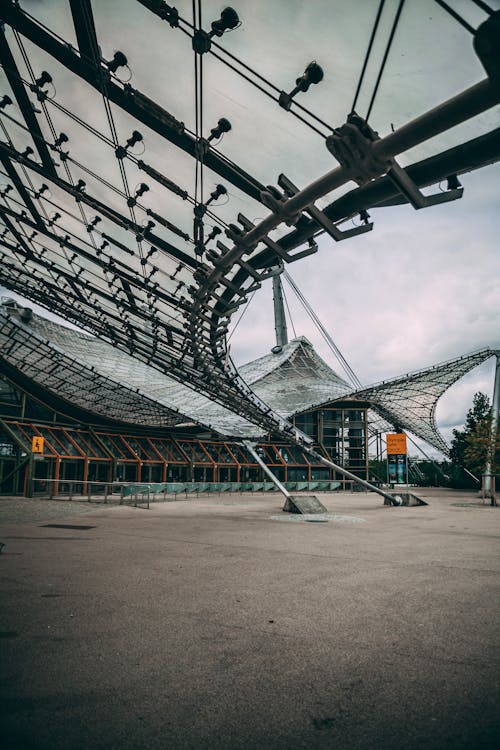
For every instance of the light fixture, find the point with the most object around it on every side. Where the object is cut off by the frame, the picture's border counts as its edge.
(5, 101)
(62, 138)
(42, 190)
(143, 188)
(215, 194)
(80, 188)
(229, 19)
(118, 61)
(121, 151)
(43, 79)
(213, 234)
(202, 40)
(312, 74)
(223, 126)
(93, 224)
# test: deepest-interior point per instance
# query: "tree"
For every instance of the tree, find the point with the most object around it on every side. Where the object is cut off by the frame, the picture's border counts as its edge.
(481, 451)
(470, 446)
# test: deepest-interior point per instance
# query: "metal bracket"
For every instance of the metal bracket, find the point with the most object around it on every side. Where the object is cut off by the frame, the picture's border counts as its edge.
(321, 218)
(277, 203)
(352, 146)
(403, 182)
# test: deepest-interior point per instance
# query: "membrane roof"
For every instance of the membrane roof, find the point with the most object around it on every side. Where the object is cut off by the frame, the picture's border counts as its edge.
(113, 141)
(92, 375)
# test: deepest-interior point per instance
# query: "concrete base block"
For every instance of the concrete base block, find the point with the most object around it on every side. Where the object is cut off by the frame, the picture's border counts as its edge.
(405, 498)
(304, 504)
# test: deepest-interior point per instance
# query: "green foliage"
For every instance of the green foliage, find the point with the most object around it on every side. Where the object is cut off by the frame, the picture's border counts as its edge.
(431, 473)
(377, 470)
(480, 450)
(470, 447)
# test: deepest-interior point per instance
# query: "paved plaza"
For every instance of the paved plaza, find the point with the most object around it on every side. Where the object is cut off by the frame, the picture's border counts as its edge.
(214, 623)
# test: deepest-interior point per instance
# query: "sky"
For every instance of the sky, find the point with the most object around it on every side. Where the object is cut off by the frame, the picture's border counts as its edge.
(419, 289)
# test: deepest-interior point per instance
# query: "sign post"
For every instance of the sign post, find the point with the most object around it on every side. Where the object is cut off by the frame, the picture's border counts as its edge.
(397, 458)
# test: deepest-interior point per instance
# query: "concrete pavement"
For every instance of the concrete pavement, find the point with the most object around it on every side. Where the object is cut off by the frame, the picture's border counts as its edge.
(206, 624)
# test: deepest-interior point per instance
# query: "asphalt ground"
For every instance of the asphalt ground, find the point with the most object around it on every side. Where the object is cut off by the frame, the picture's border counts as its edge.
(204, 623)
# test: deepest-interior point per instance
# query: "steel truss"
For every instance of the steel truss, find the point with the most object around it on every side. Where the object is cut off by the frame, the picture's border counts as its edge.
(409, 402)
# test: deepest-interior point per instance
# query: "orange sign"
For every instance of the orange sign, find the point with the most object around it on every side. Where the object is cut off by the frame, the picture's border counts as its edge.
(396, 444)
(37, 444)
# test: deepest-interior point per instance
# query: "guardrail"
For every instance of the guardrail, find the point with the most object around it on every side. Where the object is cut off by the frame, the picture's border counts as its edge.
(146, 492)
(72, 489)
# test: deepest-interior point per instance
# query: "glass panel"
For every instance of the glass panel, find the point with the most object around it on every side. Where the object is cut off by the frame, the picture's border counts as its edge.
(169, 450)
(127, 450)
(194, 451)
(269, 454)
(67, 446)
(115, 451)
(89, 444)
(10, 400)
(24, 439)
(50, 447)
(291, 454)
(241, 454)
(141, 447)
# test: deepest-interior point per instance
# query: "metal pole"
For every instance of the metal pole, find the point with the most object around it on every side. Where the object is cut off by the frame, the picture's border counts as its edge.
(495, 407)
(279, 313)
(250, 448)
(349, 475)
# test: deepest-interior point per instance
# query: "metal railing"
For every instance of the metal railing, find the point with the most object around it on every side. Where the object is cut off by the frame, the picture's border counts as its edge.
(141, 494)
(145, 492)
(77, 489)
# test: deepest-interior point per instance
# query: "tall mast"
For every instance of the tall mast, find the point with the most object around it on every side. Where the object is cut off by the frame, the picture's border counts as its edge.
(279, 313)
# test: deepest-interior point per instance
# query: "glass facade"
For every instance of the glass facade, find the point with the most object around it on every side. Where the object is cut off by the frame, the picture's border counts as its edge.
(74, 456)
(341, 432)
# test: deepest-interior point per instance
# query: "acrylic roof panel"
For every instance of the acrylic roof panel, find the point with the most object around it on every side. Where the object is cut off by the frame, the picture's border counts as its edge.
(71, 376)
(410, 401)
(94, 375)
(116, 137)
(294, 379)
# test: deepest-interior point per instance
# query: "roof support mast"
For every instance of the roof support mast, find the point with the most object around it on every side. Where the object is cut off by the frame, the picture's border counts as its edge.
(495, 409)
(279, 313)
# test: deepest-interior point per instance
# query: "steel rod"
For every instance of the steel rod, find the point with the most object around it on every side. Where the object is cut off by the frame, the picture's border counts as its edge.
(266, 469)
(350, 475)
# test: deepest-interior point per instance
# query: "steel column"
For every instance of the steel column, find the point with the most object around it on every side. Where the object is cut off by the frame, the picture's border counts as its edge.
(266, 469)
(495, 407)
